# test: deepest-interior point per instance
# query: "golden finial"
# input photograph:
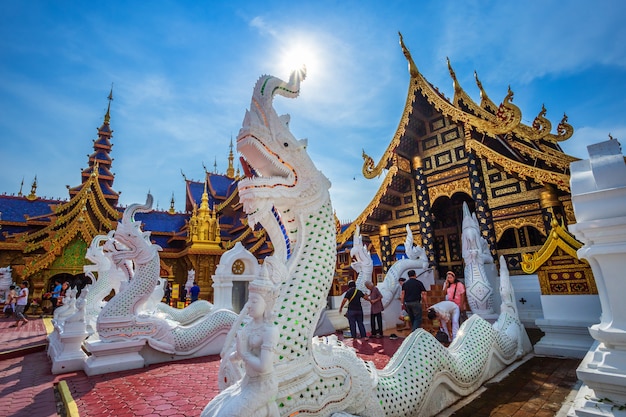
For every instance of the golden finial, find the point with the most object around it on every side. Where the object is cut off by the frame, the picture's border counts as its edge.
(230, 171)
(33, 190)
(412, 67)
(172, 210)
(455, 83)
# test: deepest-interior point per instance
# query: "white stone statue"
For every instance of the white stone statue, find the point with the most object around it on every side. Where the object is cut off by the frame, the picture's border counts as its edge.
(104, 275)
(362, 260)
(317, 376)
(191, 277)
(476, 254)
(135, 313)
(5, 282)
(254, 394)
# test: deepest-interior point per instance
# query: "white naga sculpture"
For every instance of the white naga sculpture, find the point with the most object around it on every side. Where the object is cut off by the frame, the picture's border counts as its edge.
(288, 196)
(191, 277)
(476, 254)
(132, 314)
(5, 282)
(361, 260)
(389, 287)
(108, 277)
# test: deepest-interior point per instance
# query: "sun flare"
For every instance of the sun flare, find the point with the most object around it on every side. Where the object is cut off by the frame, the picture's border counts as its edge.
(300, 53)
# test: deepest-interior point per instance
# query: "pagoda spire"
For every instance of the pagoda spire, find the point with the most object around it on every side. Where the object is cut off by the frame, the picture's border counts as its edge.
(230, 171)
(172, 210)
(33, 190)
(100, 161)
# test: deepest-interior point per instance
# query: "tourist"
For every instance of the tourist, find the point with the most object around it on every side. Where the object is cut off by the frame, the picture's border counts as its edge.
(355, 310)
(195, 292)
(9, 305)
(412, 296)
(448, 313)
(255, 393)
(376, 313)
(20, 304)
(455, 290)
(55, 294)
(64, 288)
(168, 293)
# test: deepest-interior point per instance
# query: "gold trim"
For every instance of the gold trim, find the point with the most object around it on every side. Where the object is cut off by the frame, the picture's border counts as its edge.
(449, 188)
(522, 170)
(559, 237)
(343, 237)
(535, 221)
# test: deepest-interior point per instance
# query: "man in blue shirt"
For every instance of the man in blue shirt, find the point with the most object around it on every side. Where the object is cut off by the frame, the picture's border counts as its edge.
(195, 292)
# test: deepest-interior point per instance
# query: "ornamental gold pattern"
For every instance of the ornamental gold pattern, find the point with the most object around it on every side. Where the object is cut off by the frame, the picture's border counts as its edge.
(449, 188)
(522, 170)
(535, 221)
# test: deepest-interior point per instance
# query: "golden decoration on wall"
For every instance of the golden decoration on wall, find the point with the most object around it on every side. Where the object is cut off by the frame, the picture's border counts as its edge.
(557, 265)
(449, 188)
(238, 267)
(535, 221)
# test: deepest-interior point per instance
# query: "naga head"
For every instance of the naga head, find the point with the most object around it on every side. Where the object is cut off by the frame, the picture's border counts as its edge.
(135, 243)
(95, 251)
(360, 253)
(279, 171)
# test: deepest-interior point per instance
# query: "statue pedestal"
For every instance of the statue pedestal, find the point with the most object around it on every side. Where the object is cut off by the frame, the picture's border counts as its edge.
(599, 198)
(65, 348)
(566, 323)
(113, 356)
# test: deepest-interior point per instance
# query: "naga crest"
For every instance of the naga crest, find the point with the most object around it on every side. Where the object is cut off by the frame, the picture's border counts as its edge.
(277, 165)
(135, 243)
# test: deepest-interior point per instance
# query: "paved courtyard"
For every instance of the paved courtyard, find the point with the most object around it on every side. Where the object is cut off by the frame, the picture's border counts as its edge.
(537, 387)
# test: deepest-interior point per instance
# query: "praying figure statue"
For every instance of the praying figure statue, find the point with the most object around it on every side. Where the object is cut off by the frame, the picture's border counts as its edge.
(255, 393)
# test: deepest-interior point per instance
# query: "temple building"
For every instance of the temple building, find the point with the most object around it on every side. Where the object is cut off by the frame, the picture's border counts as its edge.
(445, 152)
(44, 239)
(515, 177)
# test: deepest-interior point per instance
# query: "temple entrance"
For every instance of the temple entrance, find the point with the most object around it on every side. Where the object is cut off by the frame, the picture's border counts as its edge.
(448, 221)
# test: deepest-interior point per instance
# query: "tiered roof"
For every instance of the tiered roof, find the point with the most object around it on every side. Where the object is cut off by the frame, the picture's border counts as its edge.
(493, 132)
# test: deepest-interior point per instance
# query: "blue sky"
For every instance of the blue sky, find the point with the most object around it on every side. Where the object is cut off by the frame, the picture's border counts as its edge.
(183, 74)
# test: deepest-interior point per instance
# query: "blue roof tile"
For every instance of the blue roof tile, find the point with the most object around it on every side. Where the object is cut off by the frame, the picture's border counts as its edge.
(14, 208)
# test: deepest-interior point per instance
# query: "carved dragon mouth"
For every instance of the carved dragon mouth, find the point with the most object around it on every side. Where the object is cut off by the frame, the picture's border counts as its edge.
(268, 169)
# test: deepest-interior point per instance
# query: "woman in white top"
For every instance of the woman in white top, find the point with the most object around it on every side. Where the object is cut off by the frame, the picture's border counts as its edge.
(446, 312)
(20, 304)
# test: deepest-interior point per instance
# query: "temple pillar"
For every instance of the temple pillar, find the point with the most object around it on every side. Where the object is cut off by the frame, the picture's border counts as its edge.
(550, 207)
(482, 210)
(599, 197)
(423, 210)
(386, 257)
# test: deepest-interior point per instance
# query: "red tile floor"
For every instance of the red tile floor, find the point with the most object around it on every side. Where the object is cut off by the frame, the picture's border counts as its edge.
(183, 388)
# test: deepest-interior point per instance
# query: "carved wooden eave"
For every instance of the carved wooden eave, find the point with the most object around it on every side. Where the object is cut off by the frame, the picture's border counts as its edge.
(349, 232)
(86, 214)
(558, 237)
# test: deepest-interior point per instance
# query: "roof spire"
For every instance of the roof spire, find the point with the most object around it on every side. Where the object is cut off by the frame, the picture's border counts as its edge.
(33, 190)
(215, 166)
(19, 194)
(107, 116)
(172, 210)
(230, 171)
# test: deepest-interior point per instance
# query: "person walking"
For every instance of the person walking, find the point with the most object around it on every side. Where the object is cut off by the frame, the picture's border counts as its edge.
(376, 313)
(20, 304)
(411, 299)
(355, 310)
